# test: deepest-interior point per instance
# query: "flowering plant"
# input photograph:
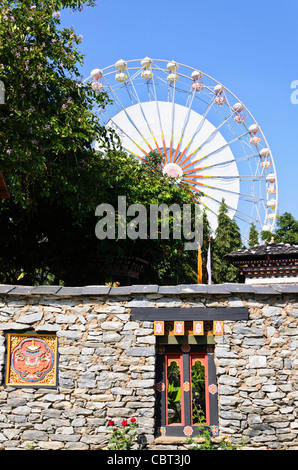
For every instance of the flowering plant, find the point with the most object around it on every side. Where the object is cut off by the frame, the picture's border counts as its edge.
(123, 437)
(44, 96)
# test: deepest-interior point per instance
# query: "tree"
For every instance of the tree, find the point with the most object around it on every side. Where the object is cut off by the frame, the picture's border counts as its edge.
(55, 177)
(253, 238)
(47, 119)
(287, 229)
(47, 126)
(227, 240)
(207, 238)
(53, 244)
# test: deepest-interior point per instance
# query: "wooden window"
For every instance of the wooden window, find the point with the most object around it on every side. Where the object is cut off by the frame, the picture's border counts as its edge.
(186, 390)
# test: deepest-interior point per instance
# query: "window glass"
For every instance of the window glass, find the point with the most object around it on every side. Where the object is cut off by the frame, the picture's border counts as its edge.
(174, 392)
(198, 386)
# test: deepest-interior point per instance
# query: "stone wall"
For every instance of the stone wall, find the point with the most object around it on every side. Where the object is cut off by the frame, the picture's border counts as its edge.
(107, 365)
(258, 375)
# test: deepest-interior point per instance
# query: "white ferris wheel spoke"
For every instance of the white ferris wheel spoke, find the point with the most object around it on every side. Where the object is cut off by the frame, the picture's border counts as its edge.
(211, 153)
(224, 163)
(128, 136)
(248, 196)
(159, 119)
(209, 106)
(240, 177)
(130, 120)
(144, 116)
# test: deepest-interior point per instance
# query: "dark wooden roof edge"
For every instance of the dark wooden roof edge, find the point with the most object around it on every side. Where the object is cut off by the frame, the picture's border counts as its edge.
(181, 290)
(189, 314)
(258, 252)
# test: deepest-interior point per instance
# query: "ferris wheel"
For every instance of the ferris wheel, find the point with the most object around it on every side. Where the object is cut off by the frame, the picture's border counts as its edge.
(206, 136)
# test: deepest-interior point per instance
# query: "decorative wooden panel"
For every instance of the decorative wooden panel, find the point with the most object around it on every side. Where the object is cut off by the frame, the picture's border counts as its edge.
(31, 360)
(218, 328)
(159, 328)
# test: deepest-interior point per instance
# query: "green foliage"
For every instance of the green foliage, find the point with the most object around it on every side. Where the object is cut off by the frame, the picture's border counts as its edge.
(205, 442)
(47, 126)
(54, 176)
(253, 236)
(47, 118)
(227, 239)
(123, 437)
(54, 240)
(286, 229)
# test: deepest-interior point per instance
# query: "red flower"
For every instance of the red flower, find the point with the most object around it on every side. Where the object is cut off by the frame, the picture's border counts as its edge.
(132, 420)
(124, 423)
(111, 423)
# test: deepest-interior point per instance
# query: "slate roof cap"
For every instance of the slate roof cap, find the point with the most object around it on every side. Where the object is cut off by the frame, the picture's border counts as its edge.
(182, 289)
(272, 249)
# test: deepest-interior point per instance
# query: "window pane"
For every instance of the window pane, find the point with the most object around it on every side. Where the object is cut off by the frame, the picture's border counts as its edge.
(174, 393)
(198, 393)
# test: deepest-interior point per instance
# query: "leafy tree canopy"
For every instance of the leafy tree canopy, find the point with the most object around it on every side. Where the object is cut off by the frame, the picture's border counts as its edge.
(56, 179)
(47, 124)
(53, 243)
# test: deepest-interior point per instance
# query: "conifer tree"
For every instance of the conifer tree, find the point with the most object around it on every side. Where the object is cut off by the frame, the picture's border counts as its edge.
(287, 229)
(205, 245)
(253, 236)
(227, 240)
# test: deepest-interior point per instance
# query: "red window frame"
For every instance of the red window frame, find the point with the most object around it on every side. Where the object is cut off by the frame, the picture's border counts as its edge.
(174, 357)
(202, 357)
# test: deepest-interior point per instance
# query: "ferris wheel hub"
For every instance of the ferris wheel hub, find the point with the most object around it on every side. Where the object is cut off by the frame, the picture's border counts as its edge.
(172, 170)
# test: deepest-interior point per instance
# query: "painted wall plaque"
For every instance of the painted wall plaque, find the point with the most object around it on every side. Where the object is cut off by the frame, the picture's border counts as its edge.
(31, 360)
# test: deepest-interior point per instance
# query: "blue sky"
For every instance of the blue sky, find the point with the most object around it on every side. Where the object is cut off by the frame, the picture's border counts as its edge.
(250, 47)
